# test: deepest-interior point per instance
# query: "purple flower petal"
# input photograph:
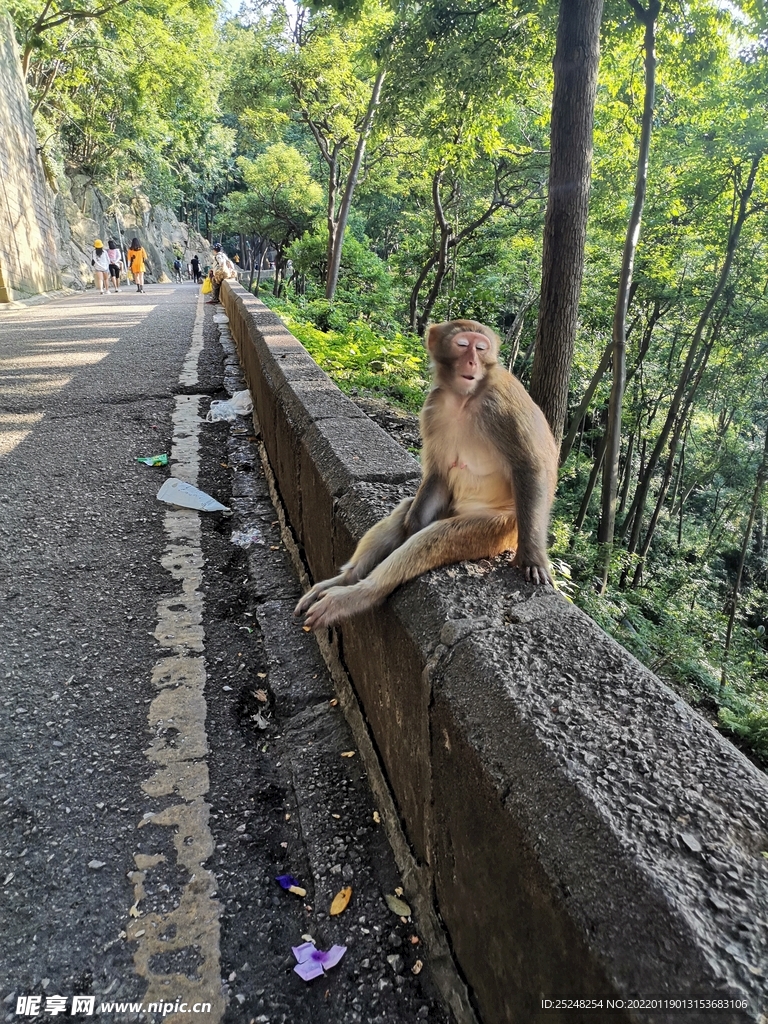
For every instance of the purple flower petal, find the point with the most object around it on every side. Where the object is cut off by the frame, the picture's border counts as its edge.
(312, 961)
(304, 952)
(332, 957)
(286, 881)
(309, 969)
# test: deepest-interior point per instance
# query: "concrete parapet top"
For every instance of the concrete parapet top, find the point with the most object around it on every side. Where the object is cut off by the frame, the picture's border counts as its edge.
(587, 834)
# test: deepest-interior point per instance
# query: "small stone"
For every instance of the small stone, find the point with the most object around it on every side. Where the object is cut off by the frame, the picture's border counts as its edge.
(395, 961)
(95, 865)
(691, 842)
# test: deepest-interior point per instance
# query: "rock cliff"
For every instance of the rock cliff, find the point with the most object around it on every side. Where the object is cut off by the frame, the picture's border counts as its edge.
(83, 213)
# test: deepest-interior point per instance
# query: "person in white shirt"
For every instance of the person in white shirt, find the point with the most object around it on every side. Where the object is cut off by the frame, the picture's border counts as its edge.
(100, 264)
(116, 264)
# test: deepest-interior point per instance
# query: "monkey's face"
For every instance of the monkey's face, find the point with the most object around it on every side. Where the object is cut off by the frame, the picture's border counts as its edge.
(470, 354)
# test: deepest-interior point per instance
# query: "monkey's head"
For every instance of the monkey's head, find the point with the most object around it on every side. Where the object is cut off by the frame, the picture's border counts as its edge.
(461, 352)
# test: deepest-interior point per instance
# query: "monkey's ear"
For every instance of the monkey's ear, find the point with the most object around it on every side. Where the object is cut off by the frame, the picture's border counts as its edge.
(433, 336)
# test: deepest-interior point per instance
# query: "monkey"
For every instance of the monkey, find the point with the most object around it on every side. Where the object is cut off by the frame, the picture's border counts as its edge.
(489, 465)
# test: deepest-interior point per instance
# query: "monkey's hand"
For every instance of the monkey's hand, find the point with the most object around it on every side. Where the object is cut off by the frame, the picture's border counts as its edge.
(340, 603)
(535, 571)
(310, 598)
(345, 577)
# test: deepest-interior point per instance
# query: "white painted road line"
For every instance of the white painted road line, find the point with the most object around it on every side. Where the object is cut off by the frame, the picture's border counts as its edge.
(179, 767)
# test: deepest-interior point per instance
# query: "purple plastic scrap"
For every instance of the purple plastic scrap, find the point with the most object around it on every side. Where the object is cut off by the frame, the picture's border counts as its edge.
(313, 961)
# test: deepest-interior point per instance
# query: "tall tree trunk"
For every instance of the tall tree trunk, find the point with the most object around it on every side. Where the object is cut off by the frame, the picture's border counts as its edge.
(445, 238)
(441, 268)
(334, 262)
(584, 507)
(757, 494)
(637, 507)
(619, 348)
(578, 416)
(515, 332)
(261, 262)
(577, 55)
(597, 376)
(330, 217)
(253, 261)
(627, 471)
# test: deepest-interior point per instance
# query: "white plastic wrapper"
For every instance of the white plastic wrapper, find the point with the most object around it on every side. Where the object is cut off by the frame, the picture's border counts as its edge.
(240, 404)
(179, 492)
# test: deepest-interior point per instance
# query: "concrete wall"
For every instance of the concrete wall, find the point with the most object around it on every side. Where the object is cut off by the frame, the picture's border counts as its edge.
(586, 834)
(28, 256)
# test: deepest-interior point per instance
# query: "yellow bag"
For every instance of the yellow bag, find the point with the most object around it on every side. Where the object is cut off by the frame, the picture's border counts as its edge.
(207, 286)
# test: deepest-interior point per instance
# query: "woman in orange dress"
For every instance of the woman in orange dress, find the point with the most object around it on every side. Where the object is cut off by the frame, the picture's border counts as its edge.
(137, 261)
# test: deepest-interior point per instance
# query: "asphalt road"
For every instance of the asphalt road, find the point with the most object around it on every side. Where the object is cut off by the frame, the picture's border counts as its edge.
(169, 741)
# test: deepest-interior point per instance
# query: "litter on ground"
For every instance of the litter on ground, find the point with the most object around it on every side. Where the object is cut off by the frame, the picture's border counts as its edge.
(154, 460)
(240, 404)
(179, 492)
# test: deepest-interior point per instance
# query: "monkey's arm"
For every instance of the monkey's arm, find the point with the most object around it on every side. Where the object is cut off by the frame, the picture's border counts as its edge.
(532, 502)
(440, 543)
(517, 427)
(432, 501)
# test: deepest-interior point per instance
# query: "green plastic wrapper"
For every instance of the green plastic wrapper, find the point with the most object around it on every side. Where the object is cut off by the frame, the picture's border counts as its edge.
(154, 460)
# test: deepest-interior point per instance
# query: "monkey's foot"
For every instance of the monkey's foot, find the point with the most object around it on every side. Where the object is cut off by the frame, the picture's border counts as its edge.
(339, 603)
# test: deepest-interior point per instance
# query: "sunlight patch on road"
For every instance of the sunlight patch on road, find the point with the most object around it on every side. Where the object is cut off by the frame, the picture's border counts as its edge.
(58, 360)
(15, 427)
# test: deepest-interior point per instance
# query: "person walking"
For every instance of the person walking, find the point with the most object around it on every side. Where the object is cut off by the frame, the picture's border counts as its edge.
(137, 261)
(177, 270)
(195, 264)
(222, 269)
(116, 264)
(100, 264)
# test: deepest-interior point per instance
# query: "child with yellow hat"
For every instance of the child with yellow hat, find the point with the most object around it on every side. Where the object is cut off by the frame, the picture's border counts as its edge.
(100, 264)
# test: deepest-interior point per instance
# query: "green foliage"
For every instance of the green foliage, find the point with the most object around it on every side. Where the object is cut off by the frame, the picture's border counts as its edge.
(365, 282)
(751, 725)
(359, 360)
(281, 198)
(126, 92)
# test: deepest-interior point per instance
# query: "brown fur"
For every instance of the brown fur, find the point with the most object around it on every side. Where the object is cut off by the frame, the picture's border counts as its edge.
(490, 470)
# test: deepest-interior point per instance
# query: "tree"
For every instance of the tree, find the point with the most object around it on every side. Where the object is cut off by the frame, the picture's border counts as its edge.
(576, 62)
(280, 203)
(618, 349)
(336, 73)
